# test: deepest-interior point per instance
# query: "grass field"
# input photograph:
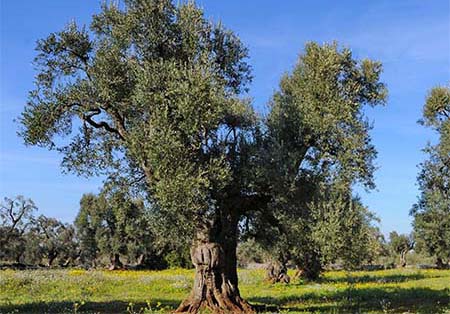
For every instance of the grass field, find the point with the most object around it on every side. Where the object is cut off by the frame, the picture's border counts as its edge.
(78, 291)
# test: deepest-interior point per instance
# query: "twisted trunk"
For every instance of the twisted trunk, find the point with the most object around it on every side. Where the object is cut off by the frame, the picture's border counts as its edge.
(115, 262)
(140, 260)
(440, 263)
(403, 258)
(309, 268)
(18, 257)
(213, 254)
(277, 272)
(51, 257)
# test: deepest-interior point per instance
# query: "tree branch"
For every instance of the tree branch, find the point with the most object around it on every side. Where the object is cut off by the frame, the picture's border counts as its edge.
(101, 124)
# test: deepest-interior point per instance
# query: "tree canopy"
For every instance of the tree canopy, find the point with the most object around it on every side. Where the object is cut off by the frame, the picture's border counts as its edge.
(153, 95)
(114, 224)
(317, 146)
(432, 212)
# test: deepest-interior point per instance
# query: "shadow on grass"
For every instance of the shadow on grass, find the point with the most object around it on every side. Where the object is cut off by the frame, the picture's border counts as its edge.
(110, 307)
(361, 300)
(377, 278)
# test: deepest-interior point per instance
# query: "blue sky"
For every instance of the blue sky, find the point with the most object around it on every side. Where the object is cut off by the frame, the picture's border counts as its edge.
(410, 38)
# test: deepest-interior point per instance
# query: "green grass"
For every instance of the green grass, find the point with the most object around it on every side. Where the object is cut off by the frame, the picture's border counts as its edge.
(77, 291)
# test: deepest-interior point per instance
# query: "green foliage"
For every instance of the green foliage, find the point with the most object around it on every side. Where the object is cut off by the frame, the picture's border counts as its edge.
(316, 121)
(179, 258)
(250, 251)
(432, 212)
(86, 223)
(54, 240)
(30, 240)
(400, 242)
(345, 233)
(152, 96)
(16, 218)
(317, 147)
(114, 223)
(437, 108)
(154, 90)
(401, 245)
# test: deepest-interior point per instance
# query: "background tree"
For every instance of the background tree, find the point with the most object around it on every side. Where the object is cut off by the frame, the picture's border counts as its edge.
(400, 245)
(113, 224)
(54, 238)
(318, 137)
(86, 224)
(141, 247)
(342, 232)
(125, 228)
(377, 246)
(110, 233)
(69, 249)
(29, 240)
(16, 217)
(250, 252)
(432, 212)
(345, 232)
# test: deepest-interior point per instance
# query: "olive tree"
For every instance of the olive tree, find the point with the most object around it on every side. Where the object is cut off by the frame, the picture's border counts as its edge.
(16, 219)
(345, 232)
(87, 222)
(113, 224)
(400, 245)
(432, 212)
(55, 240)
(318, 142)
(153, 94)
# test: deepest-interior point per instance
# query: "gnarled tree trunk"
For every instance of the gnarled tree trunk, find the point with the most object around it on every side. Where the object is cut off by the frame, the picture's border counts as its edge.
(277, 272)
(440, 263)
(140, 261)
(216, 281)
(309, 268)
(51, 256)
(115, 262)
(403, 258)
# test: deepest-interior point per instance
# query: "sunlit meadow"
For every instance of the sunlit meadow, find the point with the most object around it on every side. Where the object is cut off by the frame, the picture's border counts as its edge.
(79, 291)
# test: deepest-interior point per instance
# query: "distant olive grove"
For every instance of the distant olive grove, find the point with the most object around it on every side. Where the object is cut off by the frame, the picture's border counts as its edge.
(111, 233)
(115, 231)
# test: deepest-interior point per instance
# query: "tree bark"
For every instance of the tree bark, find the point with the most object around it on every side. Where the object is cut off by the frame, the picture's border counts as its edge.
(51, 258)
(67, 262)
(216, 281)
(140, 260)
(277, 272)
(403, 258)
(440, 264)
(115, 262)
(18, 257)
(309, 268)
